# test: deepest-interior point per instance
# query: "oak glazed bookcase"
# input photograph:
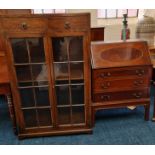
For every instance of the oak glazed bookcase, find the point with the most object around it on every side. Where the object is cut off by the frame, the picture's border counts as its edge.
(48, 59)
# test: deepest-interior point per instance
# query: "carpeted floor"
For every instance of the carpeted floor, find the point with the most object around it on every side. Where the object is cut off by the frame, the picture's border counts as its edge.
(121, 126)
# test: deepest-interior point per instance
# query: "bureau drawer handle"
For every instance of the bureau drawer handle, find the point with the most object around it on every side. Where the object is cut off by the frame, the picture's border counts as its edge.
(137, 95)
(106, 85)
(24, 26)
(105, 97)
(108, 74)
(103, 75)
(140, 72)
(67, 25)
(137, 83)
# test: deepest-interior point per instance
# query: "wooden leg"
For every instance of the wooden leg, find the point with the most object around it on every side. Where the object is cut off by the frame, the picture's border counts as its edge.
(147, 111)
(12, 113)
(93, 117)
(153, 119)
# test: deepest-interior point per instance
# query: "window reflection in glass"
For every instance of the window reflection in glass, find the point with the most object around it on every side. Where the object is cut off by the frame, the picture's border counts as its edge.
(76, 70)
(23, 73)
(77, 94)
(76, 49)
(30, 117)
(20, 53)
(78, 114)
(36, 49)
(27, 97)
(61, 71)
(64, 115)
(39, 72)
(44, 116)
(42, 96)
(62, 95)
(60, 45)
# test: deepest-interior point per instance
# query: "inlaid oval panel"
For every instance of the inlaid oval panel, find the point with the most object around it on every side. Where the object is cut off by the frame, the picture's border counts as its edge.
(121, 54)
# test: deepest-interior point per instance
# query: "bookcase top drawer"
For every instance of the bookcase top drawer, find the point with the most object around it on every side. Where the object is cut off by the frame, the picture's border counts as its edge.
(69, 23)
(24, 24)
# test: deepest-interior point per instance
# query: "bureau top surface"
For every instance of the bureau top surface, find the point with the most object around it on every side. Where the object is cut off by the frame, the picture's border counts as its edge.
(44, 15)
(119, 54)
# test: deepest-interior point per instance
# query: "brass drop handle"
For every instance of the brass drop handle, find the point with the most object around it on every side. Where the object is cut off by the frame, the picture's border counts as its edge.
(105, 97)
(108, 74)
(137, 83)
(24, 26)
(103, 75)
(140, 72)
(137, 95)
(105, 85)
(67, 25)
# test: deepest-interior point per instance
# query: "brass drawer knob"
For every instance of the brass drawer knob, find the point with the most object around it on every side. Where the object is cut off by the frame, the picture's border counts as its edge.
(67, 25)
(137, 95)
(105, 97)
(24, 26)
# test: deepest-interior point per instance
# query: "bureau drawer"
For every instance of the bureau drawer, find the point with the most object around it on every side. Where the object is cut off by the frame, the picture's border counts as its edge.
(24, 24)
(120, 72)
(120, 95)
(105, 85)
(69, 23)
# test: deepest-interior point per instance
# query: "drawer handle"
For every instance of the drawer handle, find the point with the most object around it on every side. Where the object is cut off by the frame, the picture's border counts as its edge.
(140, 72)
(103, 75)
(108, 74)
(105, 97)
(67, 25)
(137, 83)
(24, 26)
(106, 85)
(137, 95)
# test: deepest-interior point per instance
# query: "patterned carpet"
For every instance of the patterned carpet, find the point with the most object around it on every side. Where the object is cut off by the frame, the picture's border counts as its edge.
(121, 126)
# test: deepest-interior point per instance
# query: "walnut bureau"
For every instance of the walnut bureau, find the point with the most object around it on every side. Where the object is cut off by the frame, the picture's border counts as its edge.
(121, 74)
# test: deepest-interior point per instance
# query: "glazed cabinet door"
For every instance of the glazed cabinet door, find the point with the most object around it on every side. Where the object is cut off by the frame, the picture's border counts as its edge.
(32, 82)
(69, 84)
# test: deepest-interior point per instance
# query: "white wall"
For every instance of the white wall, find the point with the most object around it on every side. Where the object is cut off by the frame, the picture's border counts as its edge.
(112, 26)
(91, 11)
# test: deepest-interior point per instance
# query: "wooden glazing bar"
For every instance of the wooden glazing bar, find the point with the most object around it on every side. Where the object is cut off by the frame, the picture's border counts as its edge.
(34, 95)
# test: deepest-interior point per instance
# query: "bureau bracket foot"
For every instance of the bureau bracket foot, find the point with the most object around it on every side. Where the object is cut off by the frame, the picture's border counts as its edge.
(147, 111)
